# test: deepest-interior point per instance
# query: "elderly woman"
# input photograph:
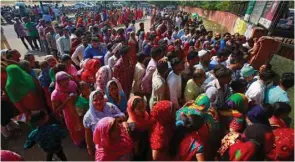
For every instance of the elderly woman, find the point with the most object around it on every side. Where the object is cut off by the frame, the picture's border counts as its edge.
(98, 109)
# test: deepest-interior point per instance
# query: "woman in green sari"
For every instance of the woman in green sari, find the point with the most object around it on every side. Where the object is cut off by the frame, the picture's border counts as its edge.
(209, 132)
(24, 91)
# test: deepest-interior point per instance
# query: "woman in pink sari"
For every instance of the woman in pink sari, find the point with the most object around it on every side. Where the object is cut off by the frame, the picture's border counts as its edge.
(63, 99)
(112, 141)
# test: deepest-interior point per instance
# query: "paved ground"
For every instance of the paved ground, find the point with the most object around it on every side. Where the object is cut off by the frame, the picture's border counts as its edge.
(16, 143)
(16, 43)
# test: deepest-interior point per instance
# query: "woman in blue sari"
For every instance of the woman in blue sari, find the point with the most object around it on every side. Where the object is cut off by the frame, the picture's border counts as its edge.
(116, 95)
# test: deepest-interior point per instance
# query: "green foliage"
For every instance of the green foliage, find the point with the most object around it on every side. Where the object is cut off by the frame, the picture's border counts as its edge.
(209, 5)
(162, 3)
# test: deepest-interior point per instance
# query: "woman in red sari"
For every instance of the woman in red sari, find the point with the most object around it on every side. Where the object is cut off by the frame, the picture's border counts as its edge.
(63, 100)
(132, 43)
(139, 122)
(90, 69)
(187, 143)
(163, 116)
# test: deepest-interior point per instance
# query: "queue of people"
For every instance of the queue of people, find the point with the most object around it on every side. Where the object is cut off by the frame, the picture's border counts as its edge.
(173, 92)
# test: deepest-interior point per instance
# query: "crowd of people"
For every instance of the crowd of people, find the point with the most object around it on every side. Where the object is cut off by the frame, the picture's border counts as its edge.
(172, 92)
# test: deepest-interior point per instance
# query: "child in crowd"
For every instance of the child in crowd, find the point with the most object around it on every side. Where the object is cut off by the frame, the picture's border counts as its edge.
(47, 136)
(82, 102)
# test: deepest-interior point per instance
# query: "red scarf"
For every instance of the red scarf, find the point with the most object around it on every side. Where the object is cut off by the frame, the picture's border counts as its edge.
(141, 122)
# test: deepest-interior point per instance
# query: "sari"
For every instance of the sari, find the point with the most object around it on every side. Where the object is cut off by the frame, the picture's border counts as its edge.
(21, 89)
(141, 122)
(19, 83)
(233, 112)
(163, 117)
(283, 148)
(139, 133)
(70, 115)
(103, 75)
(209, 132)
(257, 141)
(107, 150)
(93, 115)
(122, 99)
(190, 145)
(276, 122)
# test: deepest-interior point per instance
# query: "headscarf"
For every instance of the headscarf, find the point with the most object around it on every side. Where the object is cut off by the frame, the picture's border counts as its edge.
(257, 115)
(89, 69)
(236, 107)
(109, 109)
(105, 149)
(62, 76)
(283, 148)
(103, 75)
(199, 107)
(122, 105)
(163, 117)
(141, 123)
(19, 83)
(237, 102)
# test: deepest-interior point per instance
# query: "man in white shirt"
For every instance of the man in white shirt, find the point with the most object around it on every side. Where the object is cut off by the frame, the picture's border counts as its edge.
(138, 75)
(112, 60)
(159, 84)
(257, 89)
(178, 21)
(175, 82)
(186, 37)
(64, 43)
(77, 56)
(109, 54)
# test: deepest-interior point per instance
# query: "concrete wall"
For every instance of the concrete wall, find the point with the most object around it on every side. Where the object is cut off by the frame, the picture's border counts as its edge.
(224, 18)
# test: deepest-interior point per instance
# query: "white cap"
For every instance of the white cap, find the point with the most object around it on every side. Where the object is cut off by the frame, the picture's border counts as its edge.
(203, 53)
